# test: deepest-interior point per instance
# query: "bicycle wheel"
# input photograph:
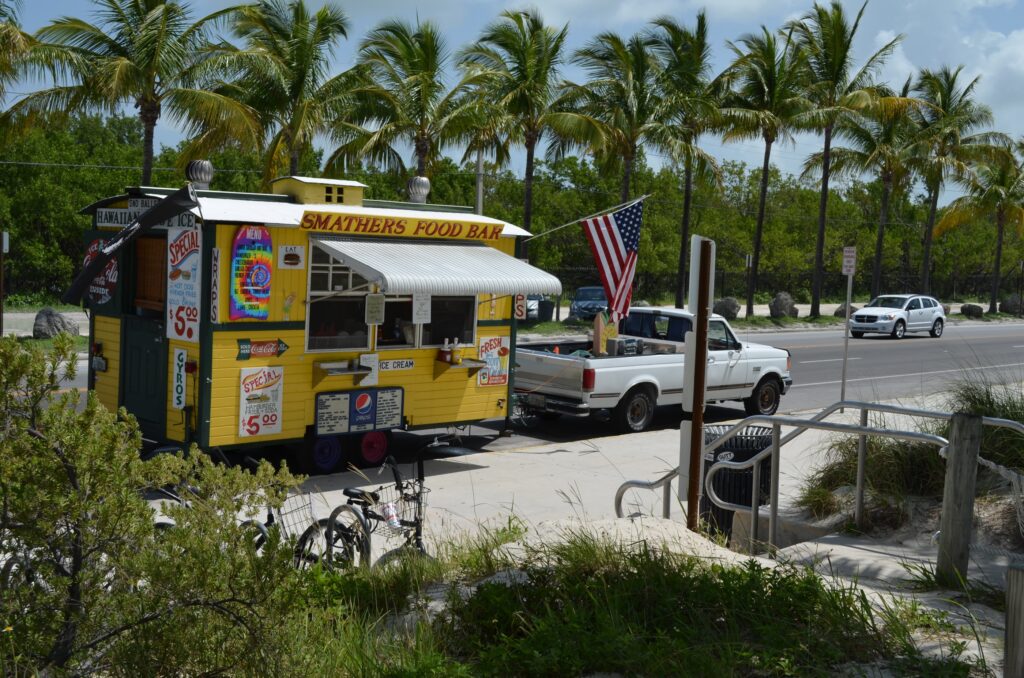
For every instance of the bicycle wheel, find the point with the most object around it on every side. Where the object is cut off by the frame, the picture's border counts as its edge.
(311, 548)
(347, 538)
(401, 555)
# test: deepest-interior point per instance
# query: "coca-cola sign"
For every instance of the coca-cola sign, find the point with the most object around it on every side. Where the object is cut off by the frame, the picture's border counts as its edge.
(260, 349)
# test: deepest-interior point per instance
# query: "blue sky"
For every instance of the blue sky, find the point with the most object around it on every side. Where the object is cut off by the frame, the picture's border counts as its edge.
(986, 36)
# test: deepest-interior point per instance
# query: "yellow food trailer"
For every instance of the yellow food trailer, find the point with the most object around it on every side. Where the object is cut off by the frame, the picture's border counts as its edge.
(308, 316)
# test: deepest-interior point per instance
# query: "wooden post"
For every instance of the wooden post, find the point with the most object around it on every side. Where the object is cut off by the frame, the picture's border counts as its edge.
(958, 500)
(1013, 659)
(699, 370)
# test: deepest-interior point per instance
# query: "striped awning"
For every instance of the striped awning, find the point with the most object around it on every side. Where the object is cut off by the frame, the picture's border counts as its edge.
(439, 268)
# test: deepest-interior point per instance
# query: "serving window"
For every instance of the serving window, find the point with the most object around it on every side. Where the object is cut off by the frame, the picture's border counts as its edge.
(451, 318)
(336, 316)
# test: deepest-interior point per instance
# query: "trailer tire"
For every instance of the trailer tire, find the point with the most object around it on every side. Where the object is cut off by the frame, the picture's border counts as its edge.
(322, 455)
(373, 447)
(635, 411)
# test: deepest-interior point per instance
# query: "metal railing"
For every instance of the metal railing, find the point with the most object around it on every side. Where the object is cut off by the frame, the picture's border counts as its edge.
(861, 430)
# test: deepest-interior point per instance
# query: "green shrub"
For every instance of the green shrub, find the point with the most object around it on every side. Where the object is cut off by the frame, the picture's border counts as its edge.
(1000, 445)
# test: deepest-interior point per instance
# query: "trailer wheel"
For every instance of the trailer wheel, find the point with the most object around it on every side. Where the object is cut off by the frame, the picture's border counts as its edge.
(635, 411)
(373, 447)
(322, 454)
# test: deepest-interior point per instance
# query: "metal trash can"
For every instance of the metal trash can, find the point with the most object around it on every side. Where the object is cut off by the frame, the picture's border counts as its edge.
(735, 486)
(545, 310)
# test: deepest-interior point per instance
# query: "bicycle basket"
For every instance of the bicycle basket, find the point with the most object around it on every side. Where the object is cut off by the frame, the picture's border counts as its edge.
(295, 515)
(405, 506)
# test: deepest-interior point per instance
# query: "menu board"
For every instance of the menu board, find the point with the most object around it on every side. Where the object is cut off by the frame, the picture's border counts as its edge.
(359, 410)
(251, 270)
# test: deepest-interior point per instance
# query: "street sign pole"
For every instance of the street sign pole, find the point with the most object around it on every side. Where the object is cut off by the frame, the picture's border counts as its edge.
(849, 266)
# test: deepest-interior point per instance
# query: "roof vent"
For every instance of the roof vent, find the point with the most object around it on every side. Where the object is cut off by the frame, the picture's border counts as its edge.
(200, 173)
(418, 188)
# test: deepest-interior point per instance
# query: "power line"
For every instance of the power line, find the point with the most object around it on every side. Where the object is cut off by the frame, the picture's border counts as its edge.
(28, 163)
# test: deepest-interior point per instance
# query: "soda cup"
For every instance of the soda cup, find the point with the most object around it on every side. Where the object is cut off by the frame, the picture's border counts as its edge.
(391, 514)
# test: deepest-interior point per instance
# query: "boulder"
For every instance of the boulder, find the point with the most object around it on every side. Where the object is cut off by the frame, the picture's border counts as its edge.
(972, 310)
(49, 324)
(946, 309)
(783, 306)
(727, 307)
(1011, 305)
(841, 311)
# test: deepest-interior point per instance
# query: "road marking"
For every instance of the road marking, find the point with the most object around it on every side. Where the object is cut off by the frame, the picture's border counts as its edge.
(825, 360)
(913, 374)
(1021, 346)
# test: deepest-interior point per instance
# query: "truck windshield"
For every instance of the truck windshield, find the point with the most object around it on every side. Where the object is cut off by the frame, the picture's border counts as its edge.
(590, 294)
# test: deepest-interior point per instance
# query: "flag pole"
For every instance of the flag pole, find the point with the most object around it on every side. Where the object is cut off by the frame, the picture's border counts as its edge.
(590, 216)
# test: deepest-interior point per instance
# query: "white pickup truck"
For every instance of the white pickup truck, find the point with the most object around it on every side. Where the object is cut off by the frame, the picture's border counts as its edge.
(565, 378)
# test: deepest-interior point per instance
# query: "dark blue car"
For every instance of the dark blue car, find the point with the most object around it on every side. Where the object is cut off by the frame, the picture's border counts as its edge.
(588, 302)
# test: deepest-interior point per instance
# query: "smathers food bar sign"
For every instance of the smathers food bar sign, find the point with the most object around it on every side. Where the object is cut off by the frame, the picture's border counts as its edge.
(413, 227)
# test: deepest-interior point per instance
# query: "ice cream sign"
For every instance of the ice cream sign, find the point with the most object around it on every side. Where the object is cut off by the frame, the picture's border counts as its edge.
(184, 248)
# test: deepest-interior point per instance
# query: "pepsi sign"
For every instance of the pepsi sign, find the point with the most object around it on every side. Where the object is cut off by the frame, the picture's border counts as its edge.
(362, 414)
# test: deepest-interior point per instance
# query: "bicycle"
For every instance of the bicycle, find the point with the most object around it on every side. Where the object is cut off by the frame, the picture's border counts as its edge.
(394, 510)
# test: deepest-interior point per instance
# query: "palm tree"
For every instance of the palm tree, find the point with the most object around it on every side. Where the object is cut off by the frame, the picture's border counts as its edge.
(837, 88)
(279, 82)
(622, 99)
(766, 102)
(993, 189)
(880, 141)
(15, 45)
(948, 141)
(521, 57)
(406, 99)
(685, 65)
(143, 52)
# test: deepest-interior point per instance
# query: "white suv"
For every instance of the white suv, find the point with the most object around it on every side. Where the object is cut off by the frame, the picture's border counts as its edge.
(897, 314)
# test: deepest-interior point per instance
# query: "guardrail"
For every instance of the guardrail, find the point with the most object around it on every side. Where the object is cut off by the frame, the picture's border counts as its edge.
(862, 430)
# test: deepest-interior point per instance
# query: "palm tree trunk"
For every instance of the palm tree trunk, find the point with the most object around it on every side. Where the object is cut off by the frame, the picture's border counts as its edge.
(758, 230)
(149, 113)
(293, 162)
(684, 232)
(883, 222)
(819, 247)
(479, 181)
(993, 302)
(627, 175)
(531, 146)
(926, 250)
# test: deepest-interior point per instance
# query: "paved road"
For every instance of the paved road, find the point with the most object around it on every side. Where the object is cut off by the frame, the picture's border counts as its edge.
(881, 368)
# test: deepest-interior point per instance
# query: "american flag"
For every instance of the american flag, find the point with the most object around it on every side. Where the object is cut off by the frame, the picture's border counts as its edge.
(615, 239)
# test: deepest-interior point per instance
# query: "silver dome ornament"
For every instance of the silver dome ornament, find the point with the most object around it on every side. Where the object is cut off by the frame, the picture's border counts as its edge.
(418, 188)
(200, 173)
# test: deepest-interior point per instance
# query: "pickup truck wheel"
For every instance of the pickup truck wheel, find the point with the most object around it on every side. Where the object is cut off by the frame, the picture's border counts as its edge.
(765, 398)
(635, 411)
